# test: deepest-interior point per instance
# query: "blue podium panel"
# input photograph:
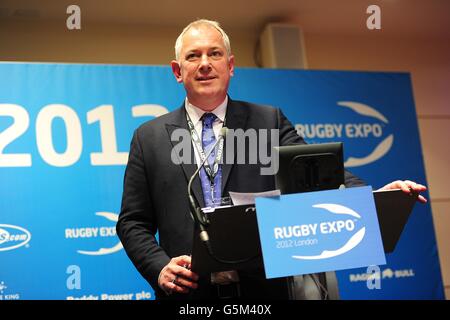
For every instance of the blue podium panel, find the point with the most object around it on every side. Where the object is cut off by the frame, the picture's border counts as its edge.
(319, 231)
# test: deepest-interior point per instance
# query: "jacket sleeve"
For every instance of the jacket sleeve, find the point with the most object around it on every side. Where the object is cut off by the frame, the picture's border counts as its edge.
(136, 226)
(288, 136)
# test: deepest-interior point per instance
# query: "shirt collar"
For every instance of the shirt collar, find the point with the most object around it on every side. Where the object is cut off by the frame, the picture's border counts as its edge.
(195, 113)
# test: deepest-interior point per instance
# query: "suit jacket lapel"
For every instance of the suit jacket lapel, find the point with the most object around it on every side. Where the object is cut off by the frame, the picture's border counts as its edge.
(179, 121)
(236, 118)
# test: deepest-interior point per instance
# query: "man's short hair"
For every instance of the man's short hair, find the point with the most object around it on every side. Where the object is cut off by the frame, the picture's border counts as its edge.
(199, 23)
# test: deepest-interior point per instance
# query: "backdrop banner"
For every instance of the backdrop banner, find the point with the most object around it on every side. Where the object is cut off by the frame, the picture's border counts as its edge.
(65, 131)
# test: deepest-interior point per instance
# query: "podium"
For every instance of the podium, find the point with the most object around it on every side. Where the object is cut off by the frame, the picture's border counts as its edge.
(236, 245)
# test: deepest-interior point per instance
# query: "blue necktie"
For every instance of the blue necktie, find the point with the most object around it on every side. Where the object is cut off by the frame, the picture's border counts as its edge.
(208, 140)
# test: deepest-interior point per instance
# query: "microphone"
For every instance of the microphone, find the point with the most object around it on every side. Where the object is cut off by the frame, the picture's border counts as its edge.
(199, 217)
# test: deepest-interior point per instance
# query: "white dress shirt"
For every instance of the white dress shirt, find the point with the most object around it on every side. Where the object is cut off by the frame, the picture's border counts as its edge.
(195, 113)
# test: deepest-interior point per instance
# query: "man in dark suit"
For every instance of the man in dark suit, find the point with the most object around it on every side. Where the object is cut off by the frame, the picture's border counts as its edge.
(155, 188)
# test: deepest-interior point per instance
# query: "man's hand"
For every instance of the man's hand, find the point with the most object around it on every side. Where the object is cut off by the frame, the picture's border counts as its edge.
(407, 186)
(176, 276)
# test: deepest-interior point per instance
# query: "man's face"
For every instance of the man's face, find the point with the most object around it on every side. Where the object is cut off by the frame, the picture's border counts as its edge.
(204, 67)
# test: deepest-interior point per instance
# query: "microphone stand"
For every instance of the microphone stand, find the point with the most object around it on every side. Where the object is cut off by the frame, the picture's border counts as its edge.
(199, 217)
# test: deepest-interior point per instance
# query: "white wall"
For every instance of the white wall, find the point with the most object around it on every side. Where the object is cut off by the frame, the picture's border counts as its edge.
(49, 41)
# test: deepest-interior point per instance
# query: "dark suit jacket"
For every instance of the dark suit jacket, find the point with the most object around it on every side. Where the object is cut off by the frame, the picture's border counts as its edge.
(155, 190)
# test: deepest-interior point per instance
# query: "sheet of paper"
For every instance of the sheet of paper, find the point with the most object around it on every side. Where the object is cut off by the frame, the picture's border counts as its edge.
(240, 198)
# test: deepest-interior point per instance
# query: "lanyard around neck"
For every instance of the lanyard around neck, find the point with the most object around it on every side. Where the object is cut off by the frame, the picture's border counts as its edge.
(211, 172)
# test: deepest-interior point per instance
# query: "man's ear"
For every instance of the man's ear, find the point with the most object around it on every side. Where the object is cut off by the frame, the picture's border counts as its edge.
(176, 69)
(231, 65)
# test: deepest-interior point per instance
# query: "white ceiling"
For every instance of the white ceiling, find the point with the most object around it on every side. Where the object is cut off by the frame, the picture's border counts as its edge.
(398, 17)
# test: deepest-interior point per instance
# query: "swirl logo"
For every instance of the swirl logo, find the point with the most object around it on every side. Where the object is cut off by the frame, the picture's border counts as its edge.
(13, 237)
(371, 129)
(349, 245)
(96, 233)
(103, 251)
(382, 148)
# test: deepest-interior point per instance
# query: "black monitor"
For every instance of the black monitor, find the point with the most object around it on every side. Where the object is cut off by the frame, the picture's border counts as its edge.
(306, 168)
(310, 167)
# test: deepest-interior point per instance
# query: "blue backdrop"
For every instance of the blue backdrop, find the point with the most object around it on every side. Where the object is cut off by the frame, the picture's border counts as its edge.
(64, 136)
